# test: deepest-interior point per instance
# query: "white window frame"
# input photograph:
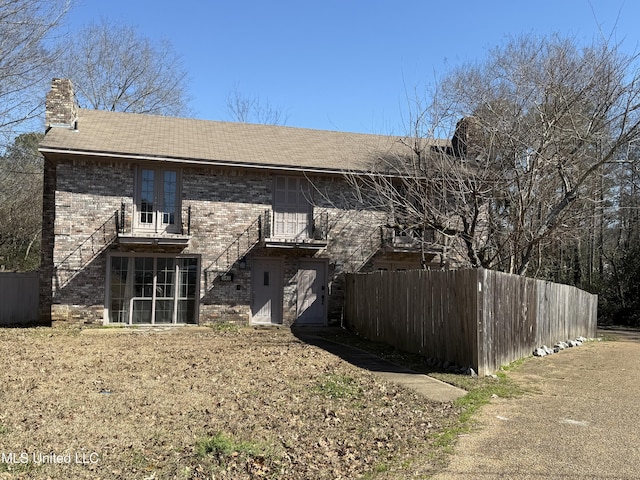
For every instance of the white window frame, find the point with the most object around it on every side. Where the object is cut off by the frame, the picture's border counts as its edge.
(129, 294)
(158, 213)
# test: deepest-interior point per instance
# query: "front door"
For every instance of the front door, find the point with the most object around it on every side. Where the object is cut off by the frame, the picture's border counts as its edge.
(312, 293)
(266, 291)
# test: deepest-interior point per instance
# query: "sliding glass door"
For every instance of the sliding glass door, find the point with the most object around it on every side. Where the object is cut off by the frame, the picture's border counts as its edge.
(146, 290)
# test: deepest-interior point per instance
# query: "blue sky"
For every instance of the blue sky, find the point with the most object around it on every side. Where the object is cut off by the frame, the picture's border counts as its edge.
(344, 64)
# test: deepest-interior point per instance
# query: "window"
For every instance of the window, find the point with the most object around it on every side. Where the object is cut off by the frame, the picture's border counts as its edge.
(291, 208)
(158, 200)
(153, 290)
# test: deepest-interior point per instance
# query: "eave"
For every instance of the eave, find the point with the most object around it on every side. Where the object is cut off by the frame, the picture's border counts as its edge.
(58, 154)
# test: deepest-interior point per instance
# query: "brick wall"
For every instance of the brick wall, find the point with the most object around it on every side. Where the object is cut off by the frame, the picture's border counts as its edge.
(47, 243)
(225, 206)
(87, 196)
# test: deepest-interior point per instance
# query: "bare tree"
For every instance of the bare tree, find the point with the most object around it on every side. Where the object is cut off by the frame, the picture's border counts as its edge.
(24, 59)
(114, 68)
(250, 109)
(21, 203)
(542, 118)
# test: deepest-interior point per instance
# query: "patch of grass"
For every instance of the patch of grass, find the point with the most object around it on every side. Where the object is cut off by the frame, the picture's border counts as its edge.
(338, 386)
(225, 327)
(4, 430)
(51, 332)
(607, 337)
(140, 460)
(257, 459)
(222, 445)
(481, 391)
(379, 468)
(17, 468)
(513, 365)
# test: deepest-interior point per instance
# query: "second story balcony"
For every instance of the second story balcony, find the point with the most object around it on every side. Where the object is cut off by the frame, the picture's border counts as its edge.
(295, 229)
(146, 226)
(398, 239)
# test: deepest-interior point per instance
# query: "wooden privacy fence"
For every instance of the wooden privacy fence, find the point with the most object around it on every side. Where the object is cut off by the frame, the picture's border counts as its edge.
(18, 298)
(478, 318)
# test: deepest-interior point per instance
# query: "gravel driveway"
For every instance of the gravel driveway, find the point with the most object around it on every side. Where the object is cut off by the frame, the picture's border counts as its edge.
(582, 421)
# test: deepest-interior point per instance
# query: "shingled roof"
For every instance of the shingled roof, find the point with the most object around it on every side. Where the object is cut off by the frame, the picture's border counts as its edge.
(152, 137)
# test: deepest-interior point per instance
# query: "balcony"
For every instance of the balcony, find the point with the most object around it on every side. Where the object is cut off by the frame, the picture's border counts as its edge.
(153, 229)
(306, 230)
(409, 240)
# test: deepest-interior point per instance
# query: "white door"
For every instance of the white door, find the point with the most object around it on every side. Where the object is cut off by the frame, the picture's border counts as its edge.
(157, 201)
(312, 293)
(266, 291)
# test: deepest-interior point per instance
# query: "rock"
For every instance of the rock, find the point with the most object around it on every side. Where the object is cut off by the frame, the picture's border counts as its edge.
(471, 372)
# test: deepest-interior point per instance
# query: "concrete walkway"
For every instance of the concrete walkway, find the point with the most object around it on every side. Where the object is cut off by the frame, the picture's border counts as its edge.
(580, 421)
(430, 387)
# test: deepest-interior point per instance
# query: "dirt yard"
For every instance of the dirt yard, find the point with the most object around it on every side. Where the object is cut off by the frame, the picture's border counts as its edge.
(203, 403)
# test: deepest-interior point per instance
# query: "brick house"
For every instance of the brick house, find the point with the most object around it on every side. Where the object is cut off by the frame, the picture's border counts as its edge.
(157, 220)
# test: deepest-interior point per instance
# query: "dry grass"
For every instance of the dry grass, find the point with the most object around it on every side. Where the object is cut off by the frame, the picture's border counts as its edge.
(203, 403)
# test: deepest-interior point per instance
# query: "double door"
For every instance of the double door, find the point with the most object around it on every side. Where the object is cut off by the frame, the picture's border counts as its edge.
(267, 291)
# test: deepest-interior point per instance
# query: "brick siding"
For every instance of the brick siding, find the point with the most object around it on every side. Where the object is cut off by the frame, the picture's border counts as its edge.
(224, 204)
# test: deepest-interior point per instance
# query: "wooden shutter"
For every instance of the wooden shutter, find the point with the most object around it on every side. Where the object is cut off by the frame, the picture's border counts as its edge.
(291, 209)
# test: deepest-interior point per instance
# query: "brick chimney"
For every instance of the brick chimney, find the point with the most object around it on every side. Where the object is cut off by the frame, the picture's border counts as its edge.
(468, 139)
(61, 106)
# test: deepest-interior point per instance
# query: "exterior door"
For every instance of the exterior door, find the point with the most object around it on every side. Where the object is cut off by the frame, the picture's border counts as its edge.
(266, 291)
(312, 293)
(157, 201)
